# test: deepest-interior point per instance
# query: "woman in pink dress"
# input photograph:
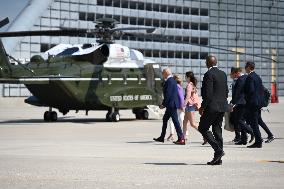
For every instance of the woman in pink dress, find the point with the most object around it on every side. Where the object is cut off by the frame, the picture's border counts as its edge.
(192, 103)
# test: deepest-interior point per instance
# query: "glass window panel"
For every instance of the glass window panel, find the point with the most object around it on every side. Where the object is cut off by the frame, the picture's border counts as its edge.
(203, 12)
(124, 20)
(156, 23)
(116, 3)
(194, 26)
(156, 7)
(108, 2)
(163, 8)
(194, 11)
(194, 40)
(178, 24)
(140, 21)
(149, 7)
(133, 4)
(178, 10)
(171, 9)
(133, 21)
(163, 23)
(194, 55)
(141, 5)
(203, 26)
(90, 16)
(185, 10)
(148, 22)
(100, 2)
(124, 4)
(203, 41)
(82, 16)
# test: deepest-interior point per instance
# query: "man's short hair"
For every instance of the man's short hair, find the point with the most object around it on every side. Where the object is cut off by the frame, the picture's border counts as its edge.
(235, 70)
(212, 59)
(250, 64)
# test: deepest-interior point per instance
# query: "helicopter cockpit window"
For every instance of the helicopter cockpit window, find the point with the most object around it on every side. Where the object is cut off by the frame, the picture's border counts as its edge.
(133, 55)
(68, 51)
(86, 46)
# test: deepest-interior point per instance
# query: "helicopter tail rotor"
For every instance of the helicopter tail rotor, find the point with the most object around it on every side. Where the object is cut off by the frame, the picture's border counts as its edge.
(5, 66)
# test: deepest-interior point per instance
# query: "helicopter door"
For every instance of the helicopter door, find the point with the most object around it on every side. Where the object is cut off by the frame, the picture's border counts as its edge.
(150, 76)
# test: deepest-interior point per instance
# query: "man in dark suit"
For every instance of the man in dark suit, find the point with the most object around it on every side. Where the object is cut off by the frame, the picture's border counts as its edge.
(214, 92)
(239, 102)
(171, 102)
(253, 91)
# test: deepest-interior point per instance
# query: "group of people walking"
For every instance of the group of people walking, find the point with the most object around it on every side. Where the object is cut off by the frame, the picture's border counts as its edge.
(245, 107)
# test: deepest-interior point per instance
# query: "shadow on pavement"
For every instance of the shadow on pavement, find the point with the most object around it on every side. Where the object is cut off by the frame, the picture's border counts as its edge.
(165, 164)
(62, 120)
(140, 142)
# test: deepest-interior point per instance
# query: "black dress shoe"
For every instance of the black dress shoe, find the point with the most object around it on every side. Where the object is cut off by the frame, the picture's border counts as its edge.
(255, 145)
(216, 163)
(204, 141)
(159, 139)
(241, 143)
(251, 138)
(269, 139)
(217, 158)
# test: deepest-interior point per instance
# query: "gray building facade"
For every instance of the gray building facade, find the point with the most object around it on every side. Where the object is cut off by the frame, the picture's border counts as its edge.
(249, 29)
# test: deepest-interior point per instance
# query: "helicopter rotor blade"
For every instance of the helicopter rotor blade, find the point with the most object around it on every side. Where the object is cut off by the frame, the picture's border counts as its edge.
(162, 38)
(69, 32)
(148, 29)
(4, 22)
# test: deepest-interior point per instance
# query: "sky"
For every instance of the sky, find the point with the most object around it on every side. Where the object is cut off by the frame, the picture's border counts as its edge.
(11, 8)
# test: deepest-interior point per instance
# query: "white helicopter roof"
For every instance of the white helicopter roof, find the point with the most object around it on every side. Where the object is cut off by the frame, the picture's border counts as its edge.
(68, 49)
(119, 55)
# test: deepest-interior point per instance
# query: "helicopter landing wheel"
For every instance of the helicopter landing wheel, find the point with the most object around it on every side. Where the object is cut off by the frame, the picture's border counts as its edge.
(138, 115)
(46, 116)
(115, 116)
(142, 114)
(50, 116)
(53, 116)
(109, 116)
(145, 114)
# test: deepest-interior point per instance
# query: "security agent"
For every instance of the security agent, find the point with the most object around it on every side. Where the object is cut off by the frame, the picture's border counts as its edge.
(239, 102)
(253, 91)
(214, 92)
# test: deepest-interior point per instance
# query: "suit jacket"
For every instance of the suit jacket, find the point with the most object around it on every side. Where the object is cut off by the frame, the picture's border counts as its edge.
(238, 95)
(214, 91)
(171, 97)
(253, 91)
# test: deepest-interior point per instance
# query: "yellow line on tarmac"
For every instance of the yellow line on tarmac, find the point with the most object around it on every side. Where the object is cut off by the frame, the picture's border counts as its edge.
(270, 161)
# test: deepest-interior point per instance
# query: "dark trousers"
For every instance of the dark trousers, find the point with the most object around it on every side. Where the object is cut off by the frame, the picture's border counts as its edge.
(236, 126)
(253, 114)
(239, 120)
(215, 119)
(171, 113)
(263, 125)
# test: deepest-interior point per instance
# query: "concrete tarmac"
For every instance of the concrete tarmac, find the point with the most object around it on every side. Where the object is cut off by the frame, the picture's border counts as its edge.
(81, 151)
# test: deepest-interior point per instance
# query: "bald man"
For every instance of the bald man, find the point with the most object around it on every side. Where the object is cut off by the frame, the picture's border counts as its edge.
(214, 92)
(172, 103)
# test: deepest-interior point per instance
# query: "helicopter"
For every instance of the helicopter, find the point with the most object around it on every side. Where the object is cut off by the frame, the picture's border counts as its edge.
(98, 76)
